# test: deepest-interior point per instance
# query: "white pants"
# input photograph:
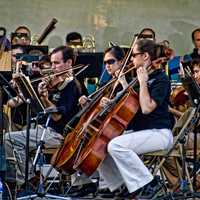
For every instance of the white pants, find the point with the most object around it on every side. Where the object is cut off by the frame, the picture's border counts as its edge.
(123, 165)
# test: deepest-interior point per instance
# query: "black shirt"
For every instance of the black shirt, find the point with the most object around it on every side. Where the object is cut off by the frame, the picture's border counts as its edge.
(67, 102)
(159, 89)
(195, 54)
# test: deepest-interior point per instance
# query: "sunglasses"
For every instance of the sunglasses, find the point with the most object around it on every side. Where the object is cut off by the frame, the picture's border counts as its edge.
(109, 62)
(145, 36)
(18, 36)
(135, 54)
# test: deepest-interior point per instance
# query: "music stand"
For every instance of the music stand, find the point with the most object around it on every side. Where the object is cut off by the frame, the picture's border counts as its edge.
(95, 61)
(2, 148)
(33, 101)
(193, 90)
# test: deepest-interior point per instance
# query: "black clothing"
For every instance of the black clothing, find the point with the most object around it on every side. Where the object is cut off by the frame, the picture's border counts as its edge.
(192, 88)
(195, 54)
(67, 102)
(159, 89)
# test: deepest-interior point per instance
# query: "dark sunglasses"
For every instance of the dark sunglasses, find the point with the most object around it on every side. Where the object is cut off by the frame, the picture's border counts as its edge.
(135, 54)
(145, 36)
(19, 36)
(109, 62)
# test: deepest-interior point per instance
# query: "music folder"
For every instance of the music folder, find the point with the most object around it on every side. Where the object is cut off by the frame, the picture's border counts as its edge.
(28, 92)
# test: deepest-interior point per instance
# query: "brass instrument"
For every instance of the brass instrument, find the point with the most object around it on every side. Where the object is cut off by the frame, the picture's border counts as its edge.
(34, 39)
(89, 43)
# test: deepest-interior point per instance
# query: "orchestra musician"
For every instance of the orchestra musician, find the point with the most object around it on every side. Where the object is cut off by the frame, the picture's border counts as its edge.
(150, 129)
(64, 96)
(113, 57)
(22, 36)
(171, 166)
(196, 70)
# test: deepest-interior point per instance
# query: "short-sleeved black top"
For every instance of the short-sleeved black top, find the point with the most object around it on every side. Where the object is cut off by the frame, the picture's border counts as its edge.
(159, 89)
(67, 100)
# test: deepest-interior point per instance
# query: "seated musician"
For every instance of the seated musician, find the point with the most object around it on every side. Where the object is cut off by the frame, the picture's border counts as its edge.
(112, 60)
(113, 57)
(22, 36)
(150, 129)
(172, 170)
(65, 96)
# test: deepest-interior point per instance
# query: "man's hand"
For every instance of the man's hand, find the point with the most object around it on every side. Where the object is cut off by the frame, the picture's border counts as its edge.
(42, 89)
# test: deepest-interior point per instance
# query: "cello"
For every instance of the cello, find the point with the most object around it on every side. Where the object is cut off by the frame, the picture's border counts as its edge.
(111, 122)
(65, 156)
(115, 119)
(77, 138)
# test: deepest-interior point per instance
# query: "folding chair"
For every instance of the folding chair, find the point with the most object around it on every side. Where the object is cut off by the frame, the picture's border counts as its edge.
(181, 128)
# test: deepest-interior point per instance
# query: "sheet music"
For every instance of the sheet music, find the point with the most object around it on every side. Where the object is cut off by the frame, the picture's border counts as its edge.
(28, 92)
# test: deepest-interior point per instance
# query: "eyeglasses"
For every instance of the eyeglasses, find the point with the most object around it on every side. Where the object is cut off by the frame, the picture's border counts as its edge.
(109, 62)
(135, 54)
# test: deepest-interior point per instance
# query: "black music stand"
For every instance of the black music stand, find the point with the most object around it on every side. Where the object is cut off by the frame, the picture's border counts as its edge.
(33, 101)
(2, 148)
(95, 62)
(193, 90)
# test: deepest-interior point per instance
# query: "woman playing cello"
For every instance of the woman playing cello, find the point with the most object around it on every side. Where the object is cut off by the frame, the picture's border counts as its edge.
(113, 57)
(150, 129)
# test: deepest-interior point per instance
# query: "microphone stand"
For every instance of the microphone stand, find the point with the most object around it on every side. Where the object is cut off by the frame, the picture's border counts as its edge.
(2, 148)
(39, 158)
(28, 125)
(196, 162)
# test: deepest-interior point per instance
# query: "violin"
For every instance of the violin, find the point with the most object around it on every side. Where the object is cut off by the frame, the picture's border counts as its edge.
(54, 80)
(50, 73)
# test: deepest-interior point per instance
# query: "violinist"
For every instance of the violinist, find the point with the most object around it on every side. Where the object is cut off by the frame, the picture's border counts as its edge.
(65, 97)
(196, 70)
(172, 170)
(150, 129)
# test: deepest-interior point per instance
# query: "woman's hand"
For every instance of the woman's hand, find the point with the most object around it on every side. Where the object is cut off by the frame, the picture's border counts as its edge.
(122, 79)
(142, 75)
(105, 101)
(83, 100)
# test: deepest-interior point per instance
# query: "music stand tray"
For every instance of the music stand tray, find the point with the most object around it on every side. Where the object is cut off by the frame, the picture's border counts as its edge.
(28, 92)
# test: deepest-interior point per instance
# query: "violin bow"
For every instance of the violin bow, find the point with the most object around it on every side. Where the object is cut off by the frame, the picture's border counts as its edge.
(125, 61)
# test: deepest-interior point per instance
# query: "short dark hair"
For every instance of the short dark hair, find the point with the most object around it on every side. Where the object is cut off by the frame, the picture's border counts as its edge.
(195, 62)
(24, 27)
(147, 29)
(67, 52)
(116, 51)
(193, 32)
(73, 36)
